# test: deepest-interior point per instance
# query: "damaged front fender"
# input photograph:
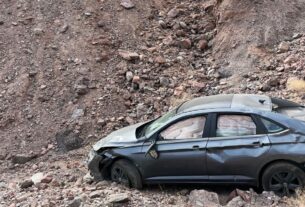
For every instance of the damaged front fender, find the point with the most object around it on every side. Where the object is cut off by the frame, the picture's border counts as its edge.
(98, 164)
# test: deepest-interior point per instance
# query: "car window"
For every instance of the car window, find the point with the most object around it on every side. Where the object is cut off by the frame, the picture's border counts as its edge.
(235, 125)
(160, 121)
(187, 128)
(271, 126)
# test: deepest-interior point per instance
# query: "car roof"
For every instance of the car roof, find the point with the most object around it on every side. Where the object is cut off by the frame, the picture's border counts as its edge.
(259, 102)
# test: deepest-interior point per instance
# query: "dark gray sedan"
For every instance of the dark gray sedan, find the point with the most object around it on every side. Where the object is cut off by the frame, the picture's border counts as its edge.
(236, 139)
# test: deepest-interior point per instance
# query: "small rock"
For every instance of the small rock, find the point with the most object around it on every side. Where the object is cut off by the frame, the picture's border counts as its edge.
(129, 120)
(202, 45)
(183, 25)
(164, 81)
(129, 76)
(162, 24)
(283, 47)
(141, 109)
(47, 179)
(36, 178)
(273, 82)
(32, 73)
(296, 36)
(136, 79)
(265, 87)
(77, 113)
(174, 12)
(95, 194)
(127, 55)
(198, 86)
(88, 14)
(236, 202)
(184, 192)
(127, 4)
(290, 59)
(160, 60)
(101, 24)
(224, 73)
(26, 184)
(21, 198)
(178, 91)
(186, 43)
(77, 202)
(64, 28)
(1, 22)
(88, 178)
(3, 185)
(171, 201)
(101, 122)
(38, 31)
(42, 87)
(118, 198)
(81, 89)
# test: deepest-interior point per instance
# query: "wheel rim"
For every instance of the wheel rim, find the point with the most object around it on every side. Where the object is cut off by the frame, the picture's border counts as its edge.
(118, 175)
(284, 183)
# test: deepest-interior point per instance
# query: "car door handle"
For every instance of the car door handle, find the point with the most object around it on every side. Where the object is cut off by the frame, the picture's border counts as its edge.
(258, 143)
(196, 147)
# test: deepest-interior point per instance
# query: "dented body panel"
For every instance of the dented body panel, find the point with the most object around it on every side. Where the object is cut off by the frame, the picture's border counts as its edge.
(231, 156)
(206, 159)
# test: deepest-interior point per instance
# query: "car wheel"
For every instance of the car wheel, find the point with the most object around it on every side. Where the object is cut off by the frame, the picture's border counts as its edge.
(125, 173)
(283, 178)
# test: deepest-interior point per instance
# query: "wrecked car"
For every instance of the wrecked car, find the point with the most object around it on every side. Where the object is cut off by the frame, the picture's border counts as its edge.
(224, 139)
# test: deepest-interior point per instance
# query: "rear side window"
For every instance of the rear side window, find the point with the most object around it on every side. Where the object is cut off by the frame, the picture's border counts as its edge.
(271, 126)
(235, 125)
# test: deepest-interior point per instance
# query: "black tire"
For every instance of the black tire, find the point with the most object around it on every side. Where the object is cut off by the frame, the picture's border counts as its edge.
(283, 178)
(124, 172)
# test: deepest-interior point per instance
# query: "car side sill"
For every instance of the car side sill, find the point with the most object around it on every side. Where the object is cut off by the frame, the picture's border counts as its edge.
(239, 179)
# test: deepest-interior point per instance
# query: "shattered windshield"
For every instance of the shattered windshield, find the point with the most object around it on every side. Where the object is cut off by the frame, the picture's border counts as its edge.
(160, 121)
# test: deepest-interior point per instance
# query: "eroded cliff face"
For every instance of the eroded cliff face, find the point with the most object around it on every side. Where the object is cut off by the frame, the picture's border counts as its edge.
(248, 31)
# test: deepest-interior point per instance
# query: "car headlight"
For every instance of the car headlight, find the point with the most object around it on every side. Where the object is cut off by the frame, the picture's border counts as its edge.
(91, 155)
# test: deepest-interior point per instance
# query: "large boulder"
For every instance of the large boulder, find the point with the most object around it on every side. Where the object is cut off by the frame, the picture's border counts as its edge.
(118, 198)
(67, 140)
(22, 158)
(203, 198)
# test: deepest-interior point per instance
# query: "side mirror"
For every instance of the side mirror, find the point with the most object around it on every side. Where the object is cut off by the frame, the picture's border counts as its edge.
(160, 137)
(151, 151)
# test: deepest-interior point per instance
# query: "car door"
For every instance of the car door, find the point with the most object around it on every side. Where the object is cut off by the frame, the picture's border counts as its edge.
(237, 145)
(181, 150)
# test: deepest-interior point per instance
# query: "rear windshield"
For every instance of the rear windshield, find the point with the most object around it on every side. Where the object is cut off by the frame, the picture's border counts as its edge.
(280, 103)
(288, 108)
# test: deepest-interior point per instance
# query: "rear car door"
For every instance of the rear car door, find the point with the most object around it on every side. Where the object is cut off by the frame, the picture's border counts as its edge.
(237, 146)
(181, 149)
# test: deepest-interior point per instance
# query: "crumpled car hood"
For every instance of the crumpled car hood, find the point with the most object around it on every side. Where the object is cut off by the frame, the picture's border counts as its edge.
(118, 137)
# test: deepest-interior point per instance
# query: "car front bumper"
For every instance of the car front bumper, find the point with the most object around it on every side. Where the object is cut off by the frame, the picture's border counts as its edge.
(93, 163)
(98, 163)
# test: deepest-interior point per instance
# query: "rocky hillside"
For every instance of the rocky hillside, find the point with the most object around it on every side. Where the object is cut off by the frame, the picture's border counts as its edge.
(72, 71)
